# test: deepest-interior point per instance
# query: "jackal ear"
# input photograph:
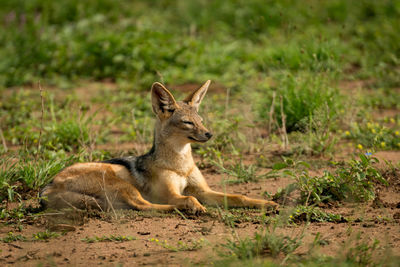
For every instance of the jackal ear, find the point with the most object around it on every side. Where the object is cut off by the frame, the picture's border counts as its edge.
(195, 98)
(162, 100)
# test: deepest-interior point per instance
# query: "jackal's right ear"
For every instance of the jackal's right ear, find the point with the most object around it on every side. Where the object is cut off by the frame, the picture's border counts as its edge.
(162, 100)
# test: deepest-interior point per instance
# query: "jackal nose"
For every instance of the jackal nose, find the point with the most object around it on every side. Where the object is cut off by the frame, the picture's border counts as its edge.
(208, 135)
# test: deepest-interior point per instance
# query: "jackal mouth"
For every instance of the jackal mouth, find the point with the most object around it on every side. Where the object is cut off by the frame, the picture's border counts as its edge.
(196, 140)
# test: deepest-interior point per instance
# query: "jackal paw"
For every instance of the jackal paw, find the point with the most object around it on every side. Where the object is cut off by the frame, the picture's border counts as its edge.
(192, 205)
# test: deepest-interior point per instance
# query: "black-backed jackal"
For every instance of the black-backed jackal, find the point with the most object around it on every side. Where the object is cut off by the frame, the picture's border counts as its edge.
(163, 179)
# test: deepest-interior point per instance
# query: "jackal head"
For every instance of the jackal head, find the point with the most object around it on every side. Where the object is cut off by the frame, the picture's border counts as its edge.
(179, 119)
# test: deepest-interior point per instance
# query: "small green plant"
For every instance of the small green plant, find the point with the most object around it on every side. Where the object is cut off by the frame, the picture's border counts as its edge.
(39, 236)
(354, 181)
(11, 237)
(303, 97)
(314, 214)
(289, 163)
(38, 174)
(16, 216)
(181, 246)
(45, 236)
(67, 134)
(243, 173)
(354, 252)
(375, 135)
(362, 252)
(111, 238)
(233, 217)
(264, 243)
(317, 136)
(7, 189)
(27, 172)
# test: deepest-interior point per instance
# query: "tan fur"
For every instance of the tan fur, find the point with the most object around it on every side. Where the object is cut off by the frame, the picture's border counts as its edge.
(168, 175)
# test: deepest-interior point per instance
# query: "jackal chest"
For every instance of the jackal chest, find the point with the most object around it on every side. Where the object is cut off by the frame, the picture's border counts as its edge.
(164, 186)
(181, 183)
(174, 182)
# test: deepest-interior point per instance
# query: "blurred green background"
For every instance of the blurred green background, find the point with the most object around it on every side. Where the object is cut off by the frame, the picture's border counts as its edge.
(191, 41)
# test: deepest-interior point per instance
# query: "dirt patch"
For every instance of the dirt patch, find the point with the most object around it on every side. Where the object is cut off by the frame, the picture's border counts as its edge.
(385, 113)
(391, 156)
(349, 87)
(86, 91)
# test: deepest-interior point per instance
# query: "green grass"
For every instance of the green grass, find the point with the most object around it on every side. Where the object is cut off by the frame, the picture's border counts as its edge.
(314, 214)
(242, 173)
(271, 249)
(11, 237)
(354, 180)
(31, 173)
(375, 135)
(39, 236)
(303, 96)
(381, 98)
(66, 124)
(111, 238)
(263, 243)
(44, 236)
(181, 246)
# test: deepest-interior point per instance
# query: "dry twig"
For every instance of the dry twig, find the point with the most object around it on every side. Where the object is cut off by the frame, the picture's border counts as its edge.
(285, 139)
(41, 120)
(271, 113)
(3, 140)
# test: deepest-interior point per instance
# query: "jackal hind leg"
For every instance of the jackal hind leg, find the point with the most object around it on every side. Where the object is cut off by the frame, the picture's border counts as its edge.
(128, 194)
(58, 199)
(105, 192)
(122, 195)
(105, 201)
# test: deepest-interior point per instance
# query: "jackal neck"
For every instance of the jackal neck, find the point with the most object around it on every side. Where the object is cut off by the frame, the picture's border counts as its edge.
(166, 144)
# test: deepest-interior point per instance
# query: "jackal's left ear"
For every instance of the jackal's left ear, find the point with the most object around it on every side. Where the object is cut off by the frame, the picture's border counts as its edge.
(195, 98)
(162, 100)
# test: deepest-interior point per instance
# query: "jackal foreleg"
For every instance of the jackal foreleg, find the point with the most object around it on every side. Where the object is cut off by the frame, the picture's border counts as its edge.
(189, 203)
(214, 198)
(168, 190)
(199, 188)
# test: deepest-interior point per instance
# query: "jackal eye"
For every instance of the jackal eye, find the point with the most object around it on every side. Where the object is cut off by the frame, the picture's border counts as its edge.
(188, 122)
